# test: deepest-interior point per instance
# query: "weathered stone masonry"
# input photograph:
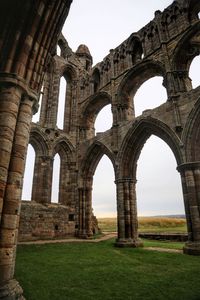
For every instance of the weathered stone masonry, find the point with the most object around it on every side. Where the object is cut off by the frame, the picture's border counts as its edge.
(165, 47)
(28, 35)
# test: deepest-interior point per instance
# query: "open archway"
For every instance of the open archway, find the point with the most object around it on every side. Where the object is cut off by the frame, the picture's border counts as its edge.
(194, 71)
(55, 179)
(104, 119)
(28, 174)
(151, 94)
(104, 193)
(61, 103)
(158, 188)
(104, 198)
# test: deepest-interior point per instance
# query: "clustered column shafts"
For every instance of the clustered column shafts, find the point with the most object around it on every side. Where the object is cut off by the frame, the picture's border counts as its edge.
(190, 176)
(42, 180)
(85, 212)
(10, 97)
(127, 213)
(11, 205)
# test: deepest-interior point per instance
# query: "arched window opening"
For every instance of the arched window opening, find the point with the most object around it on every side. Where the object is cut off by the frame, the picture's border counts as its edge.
(104, 192)
(104, 119)
(55, 179)
(96, 80)
(61, 103)
(194, 72)
(199, 15)
(158, 188)
(36, 117)
(137, 52)
(150, 95)
(58, 50)
(28, 174)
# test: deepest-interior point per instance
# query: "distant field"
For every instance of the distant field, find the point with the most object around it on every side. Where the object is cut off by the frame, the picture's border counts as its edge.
(149, 224)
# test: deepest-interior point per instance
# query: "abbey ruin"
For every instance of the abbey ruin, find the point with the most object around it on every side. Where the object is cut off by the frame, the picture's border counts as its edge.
(166, 47)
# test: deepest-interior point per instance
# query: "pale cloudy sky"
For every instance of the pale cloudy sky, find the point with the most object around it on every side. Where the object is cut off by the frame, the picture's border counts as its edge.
(103, 25)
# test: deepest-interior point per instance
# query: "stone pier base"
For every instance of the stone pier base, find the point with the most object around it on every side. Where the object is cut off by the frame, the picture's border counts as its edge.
(11, 291)
(122, 243)
(192, 248)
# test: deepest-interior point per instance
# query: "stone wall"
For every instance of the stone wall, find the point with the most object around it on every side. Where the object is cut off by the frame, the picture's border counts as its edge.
(47, 221)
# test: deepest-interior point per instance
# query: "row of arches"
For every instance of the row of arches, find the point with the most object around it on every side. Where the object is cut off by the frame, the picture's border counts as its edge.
(125, 177)
(104, 120)
(156, 194)
(49, 171)
(153, 86)
(86, 96)
(58, 93)
(150, 95)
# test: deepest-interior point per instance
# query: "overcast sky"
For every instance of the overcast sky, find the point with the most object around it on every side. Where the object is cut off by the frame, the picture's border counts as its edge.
(103, 25)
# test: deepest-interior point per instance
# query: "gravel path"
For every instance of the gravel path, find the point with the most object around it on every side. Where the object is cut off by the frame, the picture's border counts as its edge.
(104, 237)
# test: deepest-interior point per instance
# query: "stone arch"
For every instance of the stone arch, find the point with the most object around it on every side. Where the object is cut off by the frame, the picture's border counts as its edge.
(185, 51)
(65, 150)
(64, 147)
(42, 165)
(134, 48)
(92, 158)
(135, 139)
(70, 75)
(87, 170)
(38, 141)
(90, 111)
(191, 134)
(126, 175)
(131, 83)
(68, 71)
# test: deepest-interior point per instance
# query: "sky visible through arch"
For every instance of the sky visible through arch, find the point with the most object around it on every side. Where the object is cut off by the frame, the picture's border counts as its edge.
(103, 25)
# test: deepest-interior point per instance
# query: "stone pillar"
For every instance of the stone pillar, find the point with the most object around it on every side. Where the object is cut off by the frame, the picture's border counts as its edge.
(42, 179)
(82, 232)
(127, 214)
(10, 96)
(190, 176)
(9, 288)
(85, 211)
(88, 215)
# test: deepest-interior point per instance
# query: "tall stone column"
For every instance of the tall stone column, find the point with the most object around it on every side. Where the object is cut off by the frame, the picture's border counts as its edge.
(85, 211)
(82, 219)
(127, 214)
(190, 176)
(9, 287)
(42, 179)
(9, 104)
(88, 214)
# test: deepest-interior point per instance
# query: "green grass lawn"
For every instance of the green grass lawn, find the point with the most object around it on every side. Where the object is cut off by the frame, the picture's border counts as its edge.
(99, 271)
